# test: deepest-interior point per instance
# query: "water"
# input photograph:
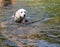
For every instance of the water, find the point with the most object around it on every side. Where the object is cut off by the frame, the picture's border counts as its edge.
(40, 35)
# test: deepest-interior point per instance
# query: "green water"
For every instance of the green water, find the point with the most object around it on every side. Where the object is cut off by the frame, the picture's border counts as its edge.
(37, 9)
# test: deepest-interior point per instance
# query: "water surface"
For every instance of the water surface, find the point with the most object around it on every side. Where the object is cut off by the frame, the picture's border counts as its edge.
(48, 36)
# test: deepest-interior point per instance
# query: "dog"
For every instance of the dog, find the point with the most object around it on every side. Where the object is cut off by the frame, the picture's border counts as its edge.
(20, 15)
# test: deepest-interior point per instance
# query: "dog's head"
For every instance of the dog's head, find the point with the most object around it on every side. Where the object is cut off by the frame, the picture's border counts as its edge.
(21, 13)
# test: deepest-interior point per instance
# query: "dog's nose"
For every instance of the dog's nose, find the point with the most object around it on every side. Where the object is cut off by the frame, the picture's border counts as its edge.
(24, 15)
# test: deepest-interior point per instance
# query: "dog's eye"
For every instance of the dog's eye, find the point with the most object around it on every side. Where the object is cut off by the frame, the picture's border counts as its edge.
(24, 12)
(21, 12)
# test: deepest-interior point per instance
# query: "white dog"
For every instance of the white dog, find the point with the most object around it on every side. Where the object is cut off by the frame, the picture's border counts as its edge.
(20, 16)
